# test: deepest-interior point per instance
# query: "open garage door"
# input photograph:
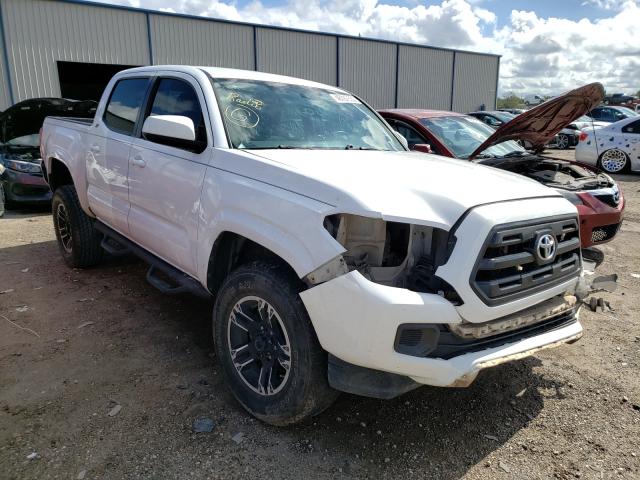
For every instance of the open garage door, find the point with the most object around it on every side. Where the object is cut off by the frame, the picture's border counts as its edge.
(85, 81)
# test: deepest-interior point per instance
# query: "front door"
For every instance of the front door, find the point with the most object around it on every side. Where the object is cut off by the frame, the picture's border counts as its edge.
(165, 181)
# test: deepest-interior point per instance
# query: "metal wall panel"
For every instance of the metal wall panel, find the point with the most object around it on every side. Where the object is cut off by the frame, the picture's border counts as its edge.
(40, 32)
(424, 78)
(368, 69)
(185, 41)
(475, 82)
(5, 97)
(304, 55)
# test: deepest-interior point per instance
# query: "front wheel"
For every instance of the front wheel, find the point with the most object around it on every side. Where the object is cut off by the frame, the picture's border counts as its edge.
(78, 241)
(614, 161)
(268, 350)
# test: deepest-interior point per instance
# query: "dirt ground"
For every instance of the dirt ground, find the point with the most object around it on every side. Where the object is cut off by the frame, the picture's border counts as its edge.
(103, 338)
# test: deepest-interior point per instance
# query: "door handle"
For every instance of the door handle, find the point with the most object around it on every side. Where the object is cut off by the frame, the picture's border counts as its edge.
(138, 161)
(95, 148)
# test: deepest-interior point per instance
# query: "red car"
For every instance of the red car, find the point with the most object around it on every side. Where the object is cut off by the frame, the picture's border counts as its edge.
(598, 198)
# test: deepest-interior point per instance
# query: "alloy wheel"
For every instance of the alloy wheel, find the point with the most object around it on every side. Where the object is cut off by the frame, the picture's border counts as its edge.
(64, 228)
(562, 141)
(259, 345)
(613, 161)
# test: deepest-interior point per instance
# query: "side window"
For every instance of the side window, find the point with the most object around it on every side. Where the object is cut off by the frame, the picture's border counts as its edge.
(633, 127)
(412, 136)
(124, 104)
(177, 97)
(618, 115)
(596, 114)
(494, 122)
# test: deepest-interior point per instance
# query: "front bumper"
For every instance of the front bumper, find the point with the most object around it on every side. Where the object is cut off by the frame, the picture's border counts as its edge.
(22, 187)
(357, 320)
(599, 222)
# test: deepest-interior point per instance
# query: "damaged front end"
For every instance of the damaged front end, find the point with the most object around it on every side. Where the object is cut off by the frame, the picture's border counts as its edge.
(389, 253)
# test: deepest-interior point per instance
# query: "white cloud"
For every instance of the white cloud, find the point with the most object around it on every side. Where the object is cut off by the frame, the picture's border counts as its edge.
(540, 55)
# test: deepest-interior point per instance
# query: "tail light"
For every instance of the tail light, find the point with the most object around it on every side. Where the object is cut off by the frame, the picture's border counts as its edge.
(583, 136)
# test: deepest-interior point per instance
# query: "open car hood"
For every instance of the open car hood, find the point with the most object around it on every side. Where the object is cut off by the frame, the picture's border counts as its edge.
(540, 124)
(26, 117)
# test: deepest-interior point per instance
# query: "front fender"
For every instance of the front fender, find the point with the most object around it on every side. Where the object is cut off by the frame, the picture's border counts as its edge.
(288, 224)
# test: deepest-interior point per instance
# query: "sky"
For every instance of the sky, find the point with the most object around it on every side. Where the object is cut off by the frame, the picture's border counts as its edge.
(547, 46)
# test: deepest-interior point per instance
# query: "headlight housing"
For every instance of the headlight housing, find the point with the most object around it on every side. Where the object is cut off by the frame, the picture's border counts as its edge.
(391, 253)
(24, 167)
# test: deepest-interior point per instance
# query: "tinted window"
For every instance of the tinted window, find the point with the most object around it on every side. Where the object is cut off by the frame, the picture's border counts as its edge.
(633, 127)
(265, 115)
(412, 136)
(124, 105)
(177, 97)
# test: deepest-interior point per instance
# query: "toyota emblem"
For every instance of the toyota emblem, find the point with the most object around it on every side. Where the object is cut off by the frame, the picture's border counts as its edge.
(546, 247)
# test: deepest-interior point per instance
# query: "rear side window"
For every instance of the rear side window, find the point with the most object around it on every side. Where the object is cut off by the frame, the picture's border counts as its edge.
(176, 97)
(123, 107)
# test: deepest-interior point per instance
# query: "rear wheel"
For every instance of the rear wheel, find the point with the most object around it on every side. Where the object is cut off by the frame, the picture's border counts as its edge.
(78, 241)
(614, 161)
(268, 350)
(562, 141)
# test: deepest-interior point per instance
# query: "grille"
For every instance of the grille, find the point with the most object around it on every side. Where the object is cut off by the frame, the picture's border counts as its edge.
(510, 265)
(600, 234)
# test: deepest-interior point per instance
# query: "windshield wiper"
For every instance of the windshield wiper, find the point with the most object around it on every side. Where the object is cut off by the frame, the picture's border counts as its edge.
(480, 155)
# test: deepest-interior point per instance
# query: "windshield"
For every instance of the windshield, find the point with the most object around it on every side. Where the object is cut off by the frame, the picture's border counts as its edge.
(261, 115)
(463, 134)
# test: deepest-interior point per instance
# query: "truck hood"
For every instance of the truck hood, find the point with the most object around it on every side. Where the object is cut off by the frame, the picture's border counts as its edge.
(540, 124)
(396, 186)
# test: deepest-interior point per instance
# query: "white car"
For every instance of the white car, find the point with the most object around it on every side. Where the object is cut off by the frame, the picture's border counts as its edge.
(338, 260)
(586, 122)
(614, 148)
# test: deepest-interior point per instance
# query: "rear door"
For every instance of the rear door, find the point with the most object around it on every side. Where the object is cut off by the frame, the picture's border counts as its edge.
(108, 155)
(165, 181)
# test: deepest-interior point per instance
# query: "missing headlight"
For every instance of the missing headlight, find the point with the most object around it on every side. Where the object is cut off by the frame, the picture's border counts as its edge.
(394, 254)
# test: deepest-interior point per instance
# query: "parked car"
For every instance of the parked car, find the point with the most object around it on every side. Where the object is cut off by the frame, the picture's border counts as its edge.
(564, 139)
(615, 147)
(21, 180)
(585, 122)
(514, 111)
(611, 114)
(597, 196)
(339, 260)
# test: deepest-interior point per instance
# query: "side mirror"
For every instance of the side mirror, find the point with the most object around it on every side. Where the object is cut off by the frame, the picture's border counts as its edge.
(402, 140)
(174, 127)
(422, 147)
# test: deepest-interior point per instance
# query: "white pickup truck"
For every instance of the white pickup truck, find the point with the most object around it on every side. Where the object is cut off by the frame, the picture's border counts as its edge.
(337, 259)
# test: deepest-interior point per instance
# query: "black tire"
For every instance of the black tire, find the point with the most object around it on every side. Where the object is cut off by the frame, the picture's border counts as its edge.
(302, 392)
(3, 202)
(78, 241)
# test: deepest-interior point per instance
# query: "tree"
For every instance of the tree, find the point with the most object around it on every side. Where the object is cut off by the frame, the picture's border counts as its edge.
(512, 101)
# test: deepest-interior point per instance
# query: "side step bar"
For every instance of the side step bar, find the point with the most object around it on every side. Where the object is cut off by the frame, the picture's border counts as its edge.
(117, 245)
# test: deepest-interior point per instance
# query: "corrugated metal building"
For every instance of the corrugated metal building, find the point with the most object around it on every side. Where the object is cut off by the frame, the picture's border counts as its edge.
(71, 48)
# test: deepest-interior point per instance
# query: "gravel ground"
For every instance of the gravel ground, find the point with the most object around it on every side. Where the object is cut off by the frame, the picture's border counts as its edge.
(106, 377)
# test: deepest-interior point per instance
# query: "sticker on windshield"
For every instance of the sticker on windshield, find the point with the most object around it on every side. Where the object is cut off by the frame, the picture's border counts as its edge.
(344, 98)
(241, 116)
(246, 101)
